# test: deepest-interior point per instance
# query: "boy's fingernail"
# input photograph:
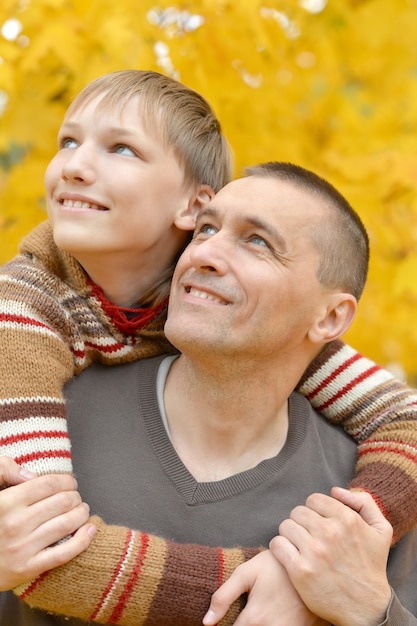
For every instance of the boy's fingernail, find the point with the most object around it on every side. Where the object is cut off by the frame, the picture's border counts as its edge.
(26, 474)
(91, 531)
(209, 618)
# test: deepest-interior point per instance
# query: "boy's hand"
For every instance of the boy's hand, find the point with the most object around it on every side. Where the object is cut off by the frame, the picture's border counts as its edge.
(335, 550)
(272, 599)
(35, 513)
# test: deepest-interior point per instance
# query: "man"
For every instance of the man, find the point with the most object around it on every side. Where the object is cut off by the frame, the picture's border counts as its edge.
(217, 450)
(273, 273)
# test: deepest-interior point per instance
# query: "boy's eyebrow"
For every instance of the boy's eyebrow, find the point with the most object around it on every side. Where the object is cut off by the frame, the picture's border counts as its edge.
(120, 130)
(252, 220)
(68, 124)
(112, 130)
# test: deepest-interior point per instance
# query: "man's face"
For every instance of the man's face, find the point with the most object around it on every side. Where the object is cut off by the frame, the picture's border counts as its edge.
(113, 188)
(247, 281)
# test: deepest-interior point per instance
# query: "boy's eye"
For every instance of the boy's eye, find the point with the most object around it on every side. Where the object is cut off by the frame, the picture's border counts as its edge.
(68, 142)
(122, 149)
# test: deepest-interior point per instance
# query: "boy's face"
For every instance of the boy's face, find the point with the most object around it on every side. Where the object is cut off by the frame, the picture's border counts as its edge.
(113, 190)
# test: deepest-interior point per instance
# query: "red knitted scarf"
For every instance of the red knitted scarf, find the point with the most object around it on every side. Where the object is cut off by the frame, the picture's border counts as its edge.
(128, 320)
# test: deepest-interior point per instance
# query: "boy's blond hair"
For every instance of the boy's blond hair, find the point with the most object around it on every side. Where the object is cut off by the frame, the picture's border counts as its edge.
(180, 116)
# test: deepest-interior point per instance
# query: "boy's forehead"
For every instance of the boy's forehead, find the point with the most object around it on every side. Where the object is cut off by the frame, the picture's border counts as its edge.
(129, 113)
(104, 102)
(132, 106)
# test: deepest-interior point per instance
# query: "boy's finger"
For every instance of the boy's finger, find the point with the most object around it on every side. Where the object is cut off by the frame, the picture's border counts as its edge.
(224, 597)
(11, 473)
(363, 503)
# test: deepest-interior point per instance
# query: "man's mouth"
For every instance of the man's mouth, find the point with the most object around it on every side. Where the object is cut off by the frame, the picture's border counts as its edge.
(204, 295)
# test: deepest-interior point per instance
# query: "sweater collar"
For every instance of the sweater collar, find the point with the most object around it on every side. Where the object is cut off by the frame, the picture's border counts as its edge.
(127, 319)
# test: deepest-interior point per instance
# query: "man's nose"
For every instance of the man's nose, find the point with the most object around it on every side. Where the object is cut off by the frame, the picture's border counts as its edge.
(211, 255)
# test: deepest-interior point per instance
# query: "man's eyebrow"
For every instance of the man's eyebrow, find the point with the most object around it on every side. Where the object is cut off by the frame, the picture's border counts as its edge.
(207, 211)
(267, 228)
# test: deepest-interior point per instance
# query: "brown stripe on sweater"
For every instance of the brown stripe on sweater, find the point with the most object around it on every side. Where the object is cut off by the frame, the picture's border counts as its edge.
(25, 409)
(186, 584)
(383, 477)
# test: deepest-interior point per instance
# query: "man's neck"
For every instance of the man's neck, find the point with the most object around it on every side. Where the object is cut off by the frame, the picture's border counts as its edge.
(225, 422)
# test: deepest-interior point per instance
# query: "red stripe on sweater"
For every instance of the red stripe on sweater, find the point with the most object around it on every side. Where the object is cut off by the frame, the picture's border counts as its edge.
(37, 434)
(348, 387)
(378, 500)
(334, 374)
(80, 354)
(115, 616)
(220, 574)
(33, 585)
(116, 573)
(45, 454)
(20, 319)
(389, 448)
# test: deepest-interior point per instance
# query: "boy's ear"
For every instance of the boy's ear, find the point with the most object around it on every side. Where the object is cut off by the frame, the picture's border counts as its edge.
(185, 220)
(336, 319)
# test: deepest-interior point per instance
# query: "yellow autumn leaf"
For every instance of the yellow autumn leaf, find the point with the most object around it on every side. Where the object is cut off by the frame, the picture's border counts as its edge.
(405, 282)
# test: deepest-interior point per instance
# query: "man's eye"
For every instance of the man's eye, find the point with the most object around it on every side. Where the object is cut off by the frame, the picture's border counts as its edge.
(205, 229)
(122, 149)
(208, 229)
(259, 241)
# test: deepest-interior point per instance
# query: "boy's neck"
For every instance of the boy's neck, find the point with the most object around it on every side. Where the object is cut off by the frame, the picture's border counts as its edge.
(121, 285)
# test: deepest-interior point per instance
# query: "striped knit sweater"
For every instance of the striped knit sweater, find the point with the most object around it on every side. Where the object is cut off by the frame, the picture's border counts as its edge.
(53, 324)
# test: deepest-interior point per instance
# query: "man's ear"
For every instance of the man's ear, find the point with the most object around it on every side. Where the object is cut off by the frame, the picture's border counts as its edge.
(335, 321)
(185, 220)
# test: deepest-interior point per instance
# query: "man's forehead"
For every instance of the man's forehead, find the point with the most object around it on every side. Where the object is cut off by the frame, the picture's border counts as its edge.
(265, 198)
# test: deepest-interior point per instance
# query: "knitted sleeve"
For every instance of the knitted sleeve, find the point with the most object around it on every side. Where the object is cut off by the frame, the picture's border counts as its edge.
(380, 413)
(36, 361)
(137, 579)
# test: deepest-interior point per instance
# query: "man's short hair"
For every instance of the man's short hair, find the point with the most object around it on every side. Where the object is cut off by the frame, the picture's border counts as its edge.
(341, 239)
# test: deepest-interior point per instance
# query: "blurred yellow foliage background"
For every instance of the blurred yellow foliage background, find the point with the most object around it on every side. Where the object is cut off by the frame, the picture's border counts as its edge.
(329, 85)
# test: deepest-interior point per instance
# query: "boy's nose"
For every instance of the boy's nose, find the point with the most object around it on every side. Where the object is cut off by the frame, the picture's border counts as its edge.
(80, 165)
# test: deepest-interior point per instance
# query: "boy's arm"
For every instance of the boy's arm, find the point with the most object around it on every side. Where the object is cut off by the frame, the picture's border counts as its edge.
(122, 568)
(380, 413)
(131, 578)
